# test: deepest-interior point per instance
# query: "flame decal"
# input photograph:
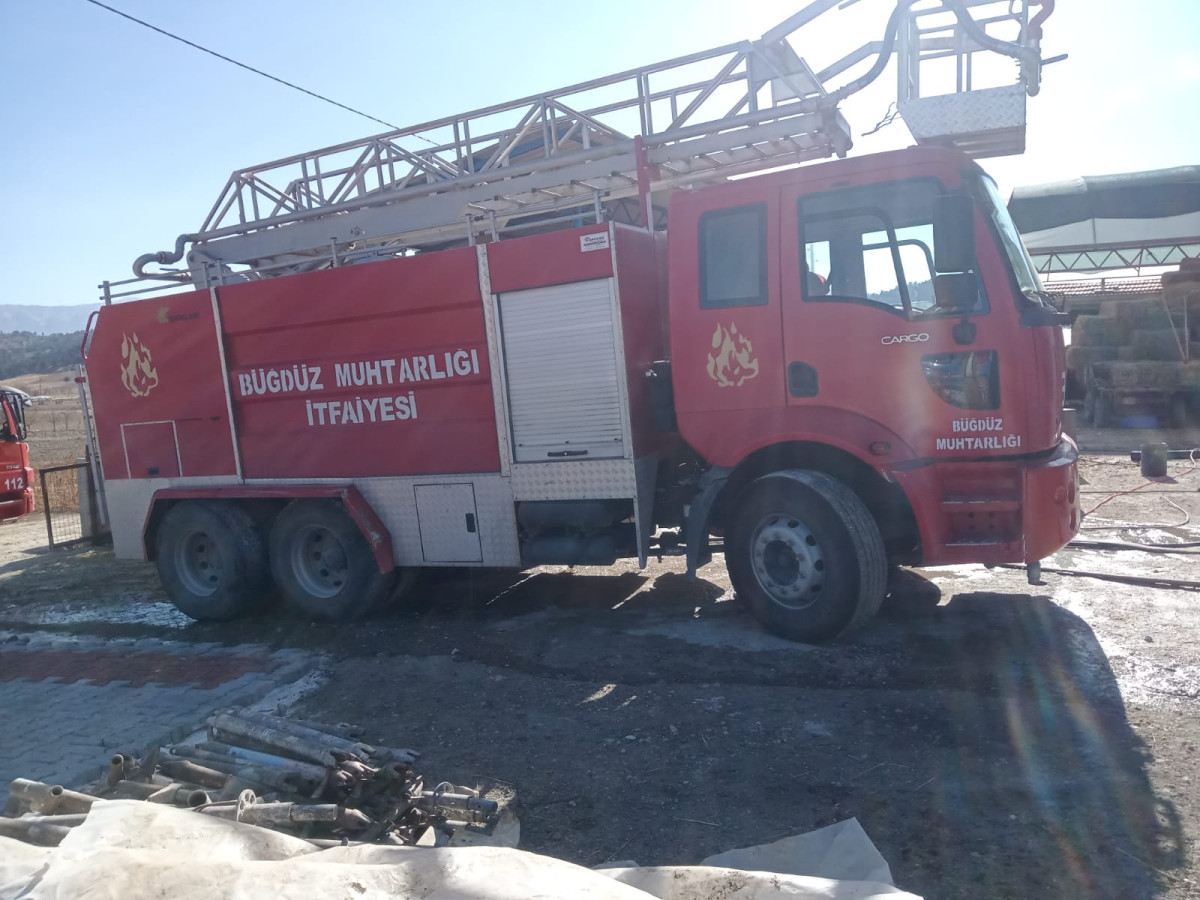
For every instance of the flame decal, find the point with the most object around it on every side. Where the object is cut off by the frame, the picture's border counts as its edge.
(732, 362)
(137, 367)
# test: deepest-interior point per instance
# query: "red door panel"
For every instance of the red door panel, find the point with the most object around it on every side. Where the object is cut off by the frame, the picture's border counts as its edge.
(863, 354)
(151, 450)
(725, 342)
(158, 360)
(374, 369)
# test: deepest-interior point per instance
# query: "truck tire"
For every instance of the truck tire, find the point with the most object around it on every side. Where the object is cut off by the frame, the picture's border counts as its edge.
(406, 594)
(805, 555)
(323, 565)
(212, 560)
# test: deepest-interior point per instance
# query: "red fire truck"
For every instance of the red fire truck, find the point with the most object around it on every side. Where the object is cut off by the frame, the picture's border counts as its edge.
(482, 348)
(16, 476)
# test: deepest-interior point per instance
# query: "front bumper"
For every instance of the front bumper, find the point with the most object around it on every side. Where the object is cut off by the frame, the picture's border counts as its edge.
(1051, 502)
(995, 511)
(14, 506)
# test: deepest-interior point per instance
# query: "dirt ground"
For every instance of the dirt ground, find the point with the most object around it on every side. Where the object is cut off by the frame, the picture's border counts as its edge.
(994, 738)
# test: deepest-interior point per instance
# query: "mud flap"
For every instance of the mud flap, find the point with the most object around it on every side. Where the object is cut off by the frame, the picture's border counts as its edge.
(695, 530)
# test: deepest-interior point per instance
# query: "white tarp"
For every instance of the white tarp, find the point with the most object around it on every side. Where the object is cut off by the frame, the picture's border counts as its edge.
(130, 850)
(1102, 233)
(842, 852)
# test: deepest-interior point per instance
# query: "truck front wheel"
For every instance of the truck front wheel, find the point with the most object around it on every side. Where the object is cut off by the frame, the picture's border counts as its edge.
(322, 563)
(212, 560)
(805, 555)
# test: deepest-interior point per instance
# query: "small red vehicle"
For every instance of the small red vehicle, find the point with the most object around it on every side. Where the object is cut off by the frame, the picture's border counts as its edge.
(16, 476)
(496, 356)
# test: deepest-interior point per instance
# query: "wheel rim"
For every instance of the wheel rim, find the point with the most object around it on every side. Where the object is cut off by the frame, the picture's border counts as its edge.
(320, 561)
(788, 561)
(199, 564)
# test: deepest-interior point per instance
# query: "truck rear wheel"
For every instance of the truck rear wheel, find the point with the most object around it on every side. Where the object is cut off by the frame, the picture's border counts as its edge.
(805, 555)
(323, 564)
(212, 560)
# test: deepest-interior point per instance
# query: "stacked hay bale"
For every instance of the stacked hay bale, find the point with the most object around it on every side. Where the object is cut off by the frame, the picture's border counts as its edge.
(1141, 356)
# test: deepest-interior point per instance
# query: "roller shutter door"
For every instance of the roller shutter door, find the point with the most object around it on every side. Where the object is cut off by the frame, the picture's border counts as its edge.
(561, 368)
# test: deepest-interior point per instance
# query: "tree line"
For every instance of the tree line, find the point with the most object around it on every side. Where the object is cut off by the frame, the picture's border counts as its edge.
(27, 353)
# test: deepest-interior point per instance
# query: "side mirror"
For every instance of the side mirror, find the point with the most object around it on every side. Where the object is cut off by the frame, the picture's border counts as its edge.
(956, 292)
(954, 233)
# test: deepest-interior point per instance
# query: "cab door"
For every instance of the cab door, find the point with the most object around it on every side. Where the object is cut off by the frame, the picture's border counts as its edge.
(868, 329)
(725, 346)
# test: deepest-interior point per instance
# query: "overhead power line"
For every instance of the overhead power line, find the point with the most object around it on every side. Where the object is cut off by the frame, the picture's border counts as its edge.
(295, 87)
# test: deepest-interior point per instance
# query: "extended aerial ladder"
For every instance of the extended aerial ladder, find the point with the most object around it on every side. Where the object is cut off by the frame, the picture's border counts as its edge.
(609, 148)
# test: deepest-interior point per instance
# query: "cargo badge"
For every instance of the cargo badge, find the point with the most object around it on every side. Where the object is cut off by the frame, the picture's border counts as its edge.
(732, 362)
(137, 367)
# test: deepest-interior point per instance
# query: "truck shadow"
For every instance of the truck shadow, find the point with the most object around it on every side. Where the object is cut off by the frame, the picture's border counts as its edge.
(976, 736)
(1035, 736)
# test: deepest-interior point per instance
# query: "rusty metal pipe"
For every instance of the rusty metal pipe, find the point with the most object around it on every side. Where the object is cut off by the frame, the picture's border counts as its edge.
(70, 820)
(186, 770)
(265, 776)
(255, 757)
(116, 769)
(233, 789)
(460, 801)
(231, 730)
(272, 814)
(241, 723)
(341, 729)
(36, 830)
(49, 798)
(228, 762)
(304, 733)
(132, 790)
(179, 795)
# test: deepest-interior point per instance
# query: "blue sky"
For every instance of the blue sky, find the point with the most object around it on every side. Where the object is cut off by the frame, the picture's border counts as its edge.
(118, 139)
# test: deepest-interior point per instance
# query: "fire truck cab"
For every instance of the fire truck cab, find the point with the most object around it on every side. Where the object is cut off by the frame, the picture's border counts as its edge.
(876, 321)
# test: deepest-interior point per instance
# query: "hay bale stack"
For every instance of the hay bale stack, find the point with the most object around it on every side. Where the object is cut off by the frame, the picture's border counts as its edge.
(1156, 344)
(1189, 374)
(1079, 358)
(1189, 273)
(1141, 374)
(1143, 315)
(1099, 331)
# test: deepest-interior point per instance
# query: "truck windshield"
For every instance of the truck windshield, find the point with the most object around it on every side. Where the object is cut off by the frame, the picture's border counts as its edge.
(1010, 239)
(12, 418)
(8, 422)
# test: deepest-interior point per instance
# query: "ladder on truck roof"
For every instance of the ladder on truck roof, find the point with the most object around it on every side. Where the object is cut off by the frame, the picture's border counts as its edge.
(602, 149)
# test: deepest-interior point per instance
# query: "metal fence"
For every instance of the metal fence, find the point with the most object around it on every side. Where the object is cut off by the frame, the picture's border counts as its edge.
(65, 515)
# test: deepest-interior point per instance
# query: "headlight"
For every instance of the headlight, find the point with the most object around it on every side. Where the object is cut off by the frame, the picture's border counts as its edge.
(966, 380)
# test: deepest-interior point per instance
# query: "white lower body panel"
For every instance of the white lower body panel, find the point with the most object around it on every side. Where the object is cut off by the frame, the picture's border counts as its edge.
(431, 533)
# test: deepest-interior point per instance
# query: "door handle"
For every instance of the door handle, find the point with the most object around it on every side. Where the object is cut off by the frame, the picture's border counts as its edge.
(470, 523)
(802, 380)
(562, 453)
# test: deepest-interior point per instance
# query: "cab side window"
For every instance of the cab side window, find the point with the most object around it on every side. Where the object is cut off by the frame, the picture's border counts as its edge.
(733, 257)
(874, 245)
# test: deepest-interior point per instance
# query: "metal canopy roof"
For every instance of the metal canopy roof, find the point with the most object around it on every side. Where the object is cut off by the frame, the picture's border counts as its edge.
(1111, 221)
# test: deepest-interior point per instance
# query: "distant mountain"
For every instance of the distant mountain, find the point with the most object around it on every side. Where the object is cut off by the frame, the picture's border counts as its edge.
(45, 319)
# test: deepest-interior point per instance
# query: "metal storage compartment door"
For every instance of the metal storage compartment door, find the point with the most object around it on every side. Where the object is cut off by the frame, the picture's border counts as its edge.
(562, 372)
(449, 524)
